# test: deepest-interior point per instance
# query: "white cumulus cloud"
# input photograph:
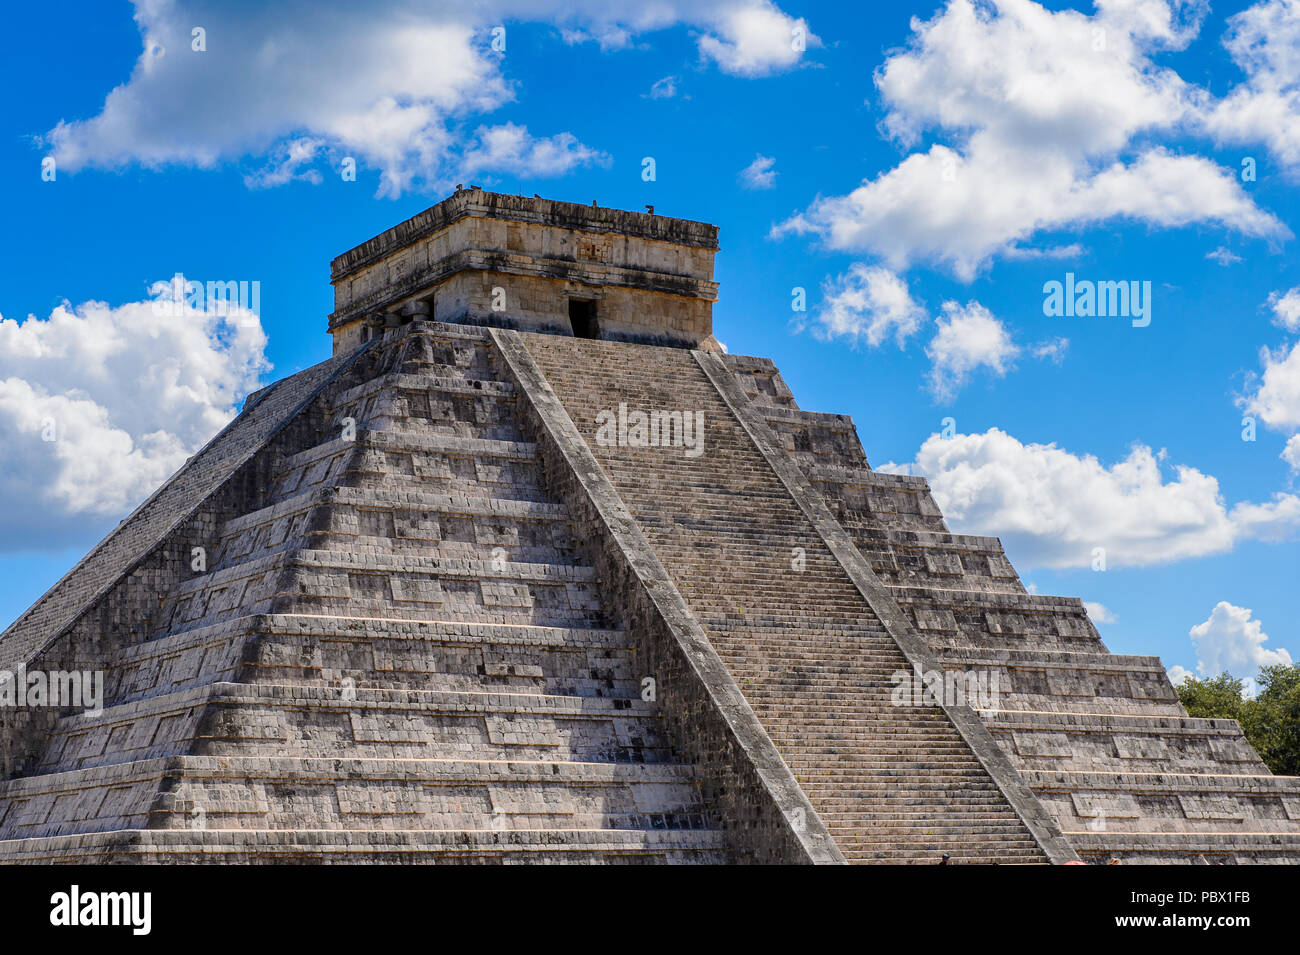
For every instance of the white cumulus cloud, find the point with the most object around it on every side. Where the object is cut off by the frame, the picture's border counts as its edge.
(869, 303)
(1052, 349)
(664, 88)
(1099, 612)
(1291, 453)
(1054, 508)
(510, 148)
(1229, 641)
(1264, 40)
(759, 174)
(1286, 308)
(969, 338)
(1046, 118)
(99, 404)
(1275, 395)
(395, 84)
(754, 39)
(1223, 256)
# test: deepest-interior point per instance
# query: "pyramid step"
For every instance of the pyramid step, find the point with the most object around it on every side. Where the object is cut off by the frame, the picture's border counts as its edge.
(407, 460)
(395, 521)
(1156, 848)
(337, 793)
(397, 382)
(408, 444)
(373, 846)
(456, 505)
(371, 584)
(1104, 705)
(429, 405)
(1168, 802)
(1115, 742)
(376, 652)
(1038, 721)
(231, 719)
(1166, 782)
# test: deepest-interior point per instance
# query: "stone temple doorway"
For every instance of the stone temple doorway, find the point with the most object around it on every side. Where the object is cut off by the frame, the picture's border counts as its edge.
(582, 316)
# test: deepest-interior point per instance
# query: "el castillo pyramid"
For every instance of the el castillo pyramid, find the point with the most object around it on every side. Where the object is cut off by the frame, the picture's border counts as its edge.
(532, 571)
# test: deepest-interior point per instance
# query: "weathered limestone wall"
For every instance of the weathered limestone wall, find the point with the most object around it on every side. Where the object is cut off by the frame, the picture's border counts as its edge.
(652, 276)
(537, 304)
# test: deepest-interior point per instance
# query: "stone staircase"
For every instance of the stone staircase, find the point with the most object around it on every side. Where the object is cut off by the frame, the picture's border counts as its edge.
(1100, 738)
(891, 784)
(398, 655)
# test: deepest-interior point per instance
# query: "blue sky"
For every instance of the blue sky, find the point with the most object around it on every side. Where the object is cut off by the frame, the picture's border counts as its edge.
(921, 170)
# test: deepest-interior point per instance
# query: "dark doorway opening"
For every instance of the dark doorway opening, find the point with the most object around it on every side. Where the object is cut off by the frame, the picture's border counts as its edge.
(582, 316)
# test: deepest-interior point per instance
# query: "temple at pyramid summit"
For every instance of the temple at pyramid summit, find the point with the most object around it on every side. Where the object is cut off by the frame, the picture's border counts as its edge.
(531, 570)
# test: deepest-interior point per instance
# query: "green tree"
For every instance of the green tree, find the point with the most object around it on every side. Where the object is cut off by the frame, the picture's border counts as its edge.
(1219, 698)
(1271, 721)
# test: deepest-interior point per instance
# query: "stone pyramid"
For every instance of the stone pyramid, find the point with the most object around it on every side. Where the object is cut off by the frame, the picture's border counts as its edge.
(439, 599)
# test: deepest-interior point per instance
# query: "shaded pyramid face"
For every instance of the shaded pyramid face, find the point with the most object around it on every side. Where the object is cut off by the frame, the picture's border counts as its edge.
(1100, 739)
(398, 654)
(414, 605)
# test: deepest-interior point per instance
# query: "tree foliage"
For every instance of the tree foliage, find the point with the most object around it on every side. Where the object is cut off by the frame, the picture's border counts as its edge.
(1271, 721)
